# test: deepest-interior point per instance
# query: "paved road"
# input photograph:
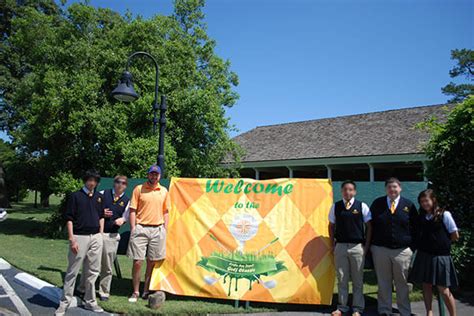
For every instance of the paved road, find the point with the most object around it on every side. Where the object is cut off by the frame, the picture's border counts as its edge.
(35, 304)
(15, 299)
(464, 308)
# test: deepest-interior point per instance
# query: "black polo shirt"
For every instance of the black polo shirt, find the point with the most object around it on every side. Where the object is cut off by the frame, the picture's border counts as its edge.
(85, 212)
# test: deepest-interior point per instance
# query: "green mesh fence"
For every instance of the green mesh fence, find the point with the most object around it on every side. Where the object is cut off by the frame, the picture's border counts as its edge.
(366, 192)
(369, 191)
(107, 183)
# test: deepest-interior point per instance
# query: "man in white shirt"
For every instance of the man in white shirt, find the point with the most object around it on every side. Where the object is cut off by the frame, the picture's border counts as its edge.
(350, 231)
(394, 221)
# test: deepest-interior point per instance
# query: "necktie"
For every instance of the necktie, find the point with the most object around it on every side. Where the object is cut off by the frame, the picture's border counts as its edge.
(116, 198)
(348, 205)
(392, 206)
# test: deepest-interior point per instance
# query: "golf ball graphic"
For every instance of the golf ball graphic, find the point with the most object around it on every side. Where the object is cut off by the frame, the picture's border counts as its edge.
(244, 227)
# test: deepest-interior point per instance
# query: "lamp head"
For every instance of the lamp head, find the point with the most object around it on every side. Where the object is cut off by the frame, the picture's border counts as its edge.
(124, 91)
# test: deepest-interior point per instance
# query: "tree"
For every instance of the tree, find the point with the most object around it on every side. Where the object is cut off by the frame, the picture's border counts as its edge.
(6, 155)
(59, 65)
(464, 68)
(14, 174)
(451, 170)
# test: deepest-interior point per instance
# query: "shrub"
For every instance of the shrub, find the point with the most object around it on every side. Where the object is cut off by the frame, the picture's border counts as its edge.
(451, 170)
(61, 185)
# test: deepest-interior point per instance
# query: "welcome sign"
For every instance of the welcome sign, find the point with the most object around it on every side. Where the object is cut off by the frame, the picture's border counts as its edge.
(249, 240)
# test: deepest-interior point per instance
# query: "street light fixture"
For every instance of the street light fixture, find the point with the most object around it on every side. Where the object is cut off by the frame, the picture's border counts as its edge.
(126, 93)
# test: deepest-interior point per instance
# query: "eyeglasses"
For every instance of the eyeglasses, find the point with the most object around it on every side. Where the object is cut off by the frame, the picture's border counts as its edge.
(121, 182)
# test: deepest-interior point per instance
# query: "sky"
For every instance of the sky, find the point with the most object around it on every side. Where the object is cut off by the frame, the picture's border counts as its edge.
(307, 59)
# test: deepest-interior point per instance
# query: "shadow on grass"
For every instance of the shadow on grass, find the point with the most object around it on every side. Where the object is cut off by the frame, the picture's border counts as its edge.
(29, 222)
(28, 227)
(27, 210)
(369, 277)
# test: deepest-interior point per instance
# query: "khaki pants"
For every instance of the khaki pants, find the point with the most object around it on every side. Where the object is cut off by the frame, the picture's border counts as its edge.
(109, 253)
(90, 252)
(392, 265)
(349, 260)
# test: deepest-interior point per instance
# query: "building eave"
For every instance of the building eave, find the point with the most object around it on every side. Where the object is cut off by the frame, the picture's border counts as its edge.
(333, 161)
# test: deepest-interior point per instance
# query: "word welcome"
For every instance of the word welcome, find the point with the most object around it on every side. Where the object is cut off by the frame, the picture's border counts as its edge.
(270, 188)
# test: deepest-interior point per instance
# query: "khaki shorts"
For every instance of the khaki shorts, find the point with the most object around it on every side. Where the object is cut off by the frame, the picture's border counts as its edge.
(147, 241)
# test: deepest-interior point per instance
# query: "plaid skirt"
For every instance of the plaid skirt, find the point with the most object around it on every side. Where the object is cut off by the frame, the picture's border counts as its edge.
(431, 269)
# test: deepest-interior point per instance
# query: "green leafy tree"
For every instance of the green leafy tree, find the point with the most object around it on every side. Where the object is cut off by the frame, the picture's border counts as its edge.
(14, 175)
(7, 154)
(464, 68)
(59, 65)
(451, 169)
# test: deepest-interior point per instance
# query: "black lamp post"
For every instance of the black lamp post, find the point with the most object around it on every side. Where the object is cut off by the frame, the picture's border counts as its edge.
(126, 93)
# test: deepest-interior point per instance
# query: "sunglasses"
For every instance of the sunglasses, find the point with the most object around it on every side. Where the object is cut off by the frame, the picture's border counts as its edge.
(121, 182)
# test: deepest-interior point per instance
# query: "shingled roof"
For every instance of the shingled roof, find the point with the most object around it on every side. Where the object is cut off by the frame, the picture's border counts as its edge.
(379, 133)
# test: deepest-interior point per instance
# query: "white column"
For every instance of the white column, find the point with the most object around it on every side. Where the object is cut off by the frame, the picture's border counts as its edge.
(371, 173)
(257, 174)
(290, 172)
(425, 166)
(329, 172)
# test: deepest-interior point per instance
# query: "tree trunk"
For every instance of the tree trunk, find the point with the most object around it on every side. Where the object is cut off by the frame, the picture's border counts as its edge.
(44, 197)
(3, 190)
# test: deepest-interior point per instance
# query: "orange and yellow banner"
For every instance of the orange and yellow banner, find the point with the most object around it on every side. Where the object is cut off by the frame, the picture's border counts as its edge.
(247, 239)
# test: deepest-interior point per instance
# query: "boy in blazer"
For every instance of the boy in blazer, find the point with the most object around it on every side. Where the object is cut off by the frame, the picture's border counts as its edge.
(350, 231)
(394, 229)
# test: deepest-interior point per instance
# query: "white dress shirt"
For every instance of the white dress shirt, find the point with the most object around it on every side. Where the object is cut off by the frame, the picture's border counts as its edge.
(86, 190)
(389, 202)
(448, 221)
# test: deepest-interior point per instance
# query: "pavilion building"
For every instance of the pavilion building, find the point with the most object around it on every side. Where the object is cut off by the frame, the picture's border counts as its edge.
(363, 147)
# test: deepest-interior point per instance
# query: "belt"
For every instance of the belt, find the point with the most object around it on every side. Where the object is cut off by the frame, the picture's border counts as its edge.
(150, 225)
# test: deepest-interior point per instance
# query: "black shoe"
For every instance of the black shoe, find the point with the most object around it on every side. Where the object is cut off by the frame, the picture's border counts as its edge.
(79, 294)
(145, 295)
(104, 298)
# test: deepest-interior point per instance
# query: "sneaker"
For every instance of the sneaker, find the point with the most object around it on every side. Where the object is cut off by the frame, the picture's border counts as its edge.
(104, 298)
(61, 311)
(145, 295)
(134, 297)
(356, 314)
(94, 308)
(337, 312)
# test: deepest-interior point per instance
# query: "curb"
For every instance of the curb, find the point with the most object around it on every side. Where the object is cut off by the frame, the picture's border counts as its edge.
(4, 265)
(43, 288)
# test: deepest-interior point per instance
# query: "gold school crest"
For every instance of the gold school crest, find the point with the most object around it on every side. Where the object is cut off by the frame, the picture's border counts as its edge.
(355, 211)
(406, 209)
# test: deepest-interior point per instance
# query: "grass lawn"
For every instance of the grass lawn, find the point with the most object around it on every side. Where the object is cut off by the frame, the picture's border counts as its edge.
(23, 245)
